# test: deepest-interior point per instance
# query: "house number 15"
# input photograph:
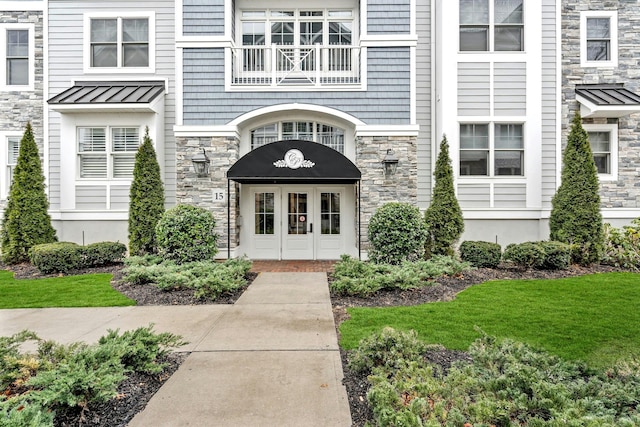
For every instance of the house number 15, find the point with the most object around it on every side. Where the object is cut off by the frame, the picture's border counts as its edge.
(219, 196)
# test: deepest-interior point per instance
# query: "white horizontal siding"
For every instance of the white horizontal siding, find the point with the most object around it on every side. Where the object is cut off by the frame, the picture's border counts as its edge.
(474, 195)
(119, 197)
(474, 89)
(91, 197)
(510, 83)
(510, 195)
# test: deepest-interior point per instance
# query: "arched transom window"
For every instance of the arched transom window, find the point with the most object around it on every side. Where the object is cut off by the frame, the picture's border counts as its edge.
(325, 134)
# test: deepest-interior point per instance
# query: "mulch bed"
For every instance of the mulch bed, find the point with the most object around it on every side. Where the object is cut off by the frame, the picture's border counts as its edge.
(136, 391)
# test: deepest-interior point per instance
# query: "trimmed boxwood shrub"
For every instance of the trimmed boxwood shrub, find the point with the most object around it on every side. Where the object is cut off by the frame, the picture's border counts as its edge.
(57, 257)
(104, 253)
(62, 257)
(481, 254)
(557, 255)
(547, 255)
(525, 255)
(397, 233)
(186, 233)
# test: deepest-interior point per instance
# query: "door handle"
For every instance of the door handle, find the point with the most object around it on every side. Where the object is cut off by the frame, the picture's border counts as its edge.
(310, 227)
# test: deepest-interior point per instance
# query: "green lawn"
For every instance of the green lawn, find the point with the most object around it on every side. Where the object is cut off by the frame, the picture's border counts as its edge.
(90, 290)
(595, 318)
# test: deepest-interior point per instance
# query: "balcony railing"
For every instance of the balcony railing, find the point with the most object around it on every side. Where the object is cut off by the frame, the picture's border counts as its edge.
(289, 65)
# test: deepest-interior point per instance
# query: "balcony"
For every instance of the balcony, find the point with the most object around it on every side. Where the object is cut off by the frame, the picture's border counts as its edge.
(296, 66)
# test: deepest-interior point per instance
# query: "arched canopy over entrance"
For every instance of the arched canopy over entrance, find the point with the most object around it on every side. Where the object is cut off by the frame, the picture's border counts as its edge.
(290, 186)
(294, 161)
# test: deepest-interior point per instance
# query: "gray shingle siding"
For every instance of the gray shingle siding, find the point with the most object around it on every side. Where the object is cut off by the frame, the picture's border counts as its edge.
(388, 16)
(387, 100)
(203, 17)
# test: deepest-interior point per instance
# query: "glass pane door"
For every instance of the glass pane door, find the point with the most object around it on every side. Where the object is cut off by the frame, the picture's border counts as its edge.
(297, 213)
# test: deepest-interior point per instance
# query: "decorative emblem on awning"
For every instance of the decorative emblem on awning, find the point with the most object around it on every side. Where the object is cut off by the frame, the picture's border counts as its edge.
(293, 159)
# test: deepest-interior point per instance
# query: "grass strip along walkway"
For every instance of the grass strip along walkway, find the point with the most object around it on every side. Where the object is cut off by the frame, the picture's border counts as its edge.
(88, 290)
(594, 318)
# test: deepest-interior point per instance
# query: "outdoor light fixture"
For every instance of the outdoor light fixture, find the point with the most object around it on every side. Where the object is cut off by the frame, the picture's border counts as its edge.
(390, 162)
(201, 164)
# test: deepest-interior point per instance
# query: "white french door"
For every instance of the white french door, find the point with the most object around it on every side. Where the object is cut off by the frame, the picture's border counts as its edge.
(298, 222)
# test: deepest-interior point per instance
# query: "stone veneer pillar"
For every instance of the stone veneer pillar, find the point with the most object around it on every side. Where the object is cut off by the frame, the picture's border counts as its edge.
(202, 192)
(378, 189)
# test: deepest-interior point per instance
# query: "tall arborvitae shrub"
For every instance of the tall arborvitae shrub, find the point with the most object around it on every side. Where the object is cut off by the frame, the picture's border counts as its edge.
(575, 214)
(26, 218)
(146, 200)
(444, 217)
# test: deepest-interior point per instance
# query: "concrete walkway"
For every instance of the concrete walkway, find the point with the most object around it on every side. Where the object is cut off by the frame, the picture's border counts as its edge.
(270, 359)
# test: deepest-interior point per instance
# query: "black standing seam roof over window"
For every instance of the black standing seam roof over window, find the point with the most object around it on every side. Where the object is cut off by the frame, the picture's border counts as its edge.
(320, 164)
(608, 94)
(104, 92)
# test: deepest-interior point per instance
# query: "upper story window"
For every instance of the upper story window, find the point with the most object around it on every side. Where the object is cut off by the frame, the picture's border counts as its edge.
(496, 150)
(17, 53)
(603, 139)
(491, 25)
(296, 46)
(324, 134)
(599, 39)
(120, 43)
(107, 152)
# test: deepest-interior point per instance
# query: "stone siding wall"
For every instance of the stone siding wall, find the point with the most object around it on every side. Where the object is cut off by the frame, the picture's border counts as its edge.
(193, 190)
(377, 188)
(625, 192)
(19, 107)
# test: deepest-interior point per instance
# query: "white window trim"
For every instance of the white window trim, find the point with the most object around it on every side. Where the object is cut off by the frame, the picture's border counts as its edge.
(109, 153)
(613, 148)
(612, 15)
(88, 69)
(491, 25)
(3, 57)
(492, 150)
(4, 161)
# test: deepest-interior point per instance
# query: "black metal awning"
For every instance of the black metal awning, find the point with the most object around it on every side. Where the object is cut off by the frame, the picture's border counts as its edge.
(294, 161)
(606, 100)
(109, 95)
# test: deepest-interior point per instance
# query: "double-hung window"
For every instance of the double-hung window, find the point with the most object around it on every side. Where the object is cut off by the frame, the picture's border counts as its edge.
(120, 42)
(599, 39)
(491, 149)
(107, 152)
(17, 54)
(13, 148)
(603, 139)
(491, 25)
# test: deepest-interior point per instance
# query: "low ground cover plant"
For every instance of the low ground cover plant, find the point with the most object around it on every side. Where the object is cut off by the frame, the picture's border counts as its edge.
(56, 376)
(87, 290)
(208, 279)
(363, 278)
(507, 383)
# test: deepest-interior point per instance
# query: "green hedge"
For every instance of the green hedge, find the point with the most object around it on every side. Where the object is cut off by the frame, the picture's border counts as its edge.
(546, 255)
(481, 254)
(62, 257)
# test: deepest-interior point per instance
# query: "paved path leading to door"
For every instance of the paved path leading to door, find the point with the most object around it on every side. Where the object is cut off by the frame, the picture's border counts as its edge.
(270, 359)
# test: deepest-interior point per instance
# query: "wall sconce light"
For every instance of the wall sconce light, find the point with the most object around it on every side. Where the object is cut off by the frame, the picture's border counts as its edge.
(201, 164)
(390, 162)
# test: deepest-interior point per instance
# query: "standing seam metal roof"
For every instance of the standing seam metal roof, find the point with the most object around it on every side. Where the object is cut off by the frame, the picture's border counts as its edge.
(610, 94)
(117, 92)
